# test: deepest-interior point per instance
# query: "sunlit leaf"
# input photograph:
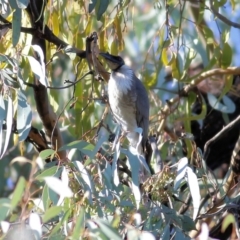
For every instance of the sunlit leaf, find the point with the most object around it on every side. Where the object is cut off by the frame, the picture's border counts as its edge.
(37, 70)
(55, 21)
(36, 225)
(181, 172)
(229, 219)
(194, 190)
(58, 186)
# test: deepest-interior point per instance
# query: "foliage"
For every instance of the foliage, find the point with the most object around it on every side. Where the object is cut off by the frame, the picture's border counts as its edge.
(61, 175)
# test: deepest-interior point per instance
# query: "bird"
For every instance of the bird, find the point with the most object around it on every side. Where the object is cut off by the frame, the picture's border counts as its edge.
(128, 100)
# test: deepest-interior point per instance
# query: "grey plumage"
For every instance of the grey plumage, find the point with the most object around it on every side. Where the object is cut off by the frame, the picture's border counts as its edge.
(128, 101)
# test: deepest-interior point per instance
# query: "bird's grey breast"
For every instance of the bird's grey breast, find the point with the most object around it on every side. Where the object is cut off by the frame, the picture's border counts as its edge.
(122, 98)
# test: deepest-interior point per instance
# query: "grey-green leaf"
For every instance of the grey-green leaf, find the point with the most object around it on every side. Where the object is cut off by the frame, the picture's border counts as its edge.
(24, 117)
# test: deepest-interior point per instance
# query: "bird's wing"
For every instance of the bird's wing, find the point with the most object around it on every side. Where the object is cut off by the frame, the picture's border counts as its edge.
(142, 109)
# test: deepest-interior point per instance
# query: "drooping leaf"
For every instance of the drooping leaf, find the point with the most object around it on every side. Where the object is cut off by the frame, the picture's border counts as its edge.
(227, 53)
(84, 147)
(36, 225)
(80, 224)
(24, 117)
(108, 230)
(229, 106)
(229, 219)
(18, 192)
(3, 114)
(9, 121)
(58, 187)
(114, 164)
(92, 5)
(16, 22)
(194, 190)
(22, 3)
(5, 206)
(101, 7)
(48, 172)
(181, 172)
(85, 176)
(46, 153)
(51, 213)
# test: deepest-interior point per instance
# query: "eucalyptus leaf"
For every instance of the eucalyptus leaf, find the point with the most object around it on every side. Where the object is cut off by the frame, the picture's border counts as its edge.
(24, 117)
(9, 122)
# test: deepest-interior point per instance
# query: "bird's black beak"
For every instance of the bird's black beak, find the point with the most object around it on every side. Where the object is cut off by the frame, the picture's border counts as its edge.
(112, 58)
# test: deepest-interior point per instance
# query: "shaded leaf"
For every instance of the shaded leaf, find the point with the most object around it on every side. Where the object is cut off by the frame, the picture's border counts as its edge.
(227, 53)
(9, 121)
(101, 7)
(22, 3)
(229, 106)
(24, 117)
(48, 172)
(46, 153)
(18, 192)
(92, 5)
(108, 230)
(51, 213)
(84, 147)
(80, 224)
(4, 208)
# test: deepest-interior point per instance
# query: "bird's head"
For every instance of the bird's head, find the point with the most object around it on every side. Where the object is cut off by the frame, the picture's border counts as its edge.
(114, 62)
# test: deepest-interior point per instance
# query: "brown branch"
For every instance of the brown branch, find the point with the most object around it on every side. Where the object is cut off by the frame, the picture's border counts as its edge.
(47, 34)
(222, 18)
(44, 109)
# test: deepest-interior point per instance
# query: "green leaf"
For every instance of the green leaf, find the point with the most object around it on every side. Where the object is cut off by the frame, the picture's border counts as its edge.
(226, 59)
(80, 224)
(229, 219)
(22, 3)
(9, 120)
(84, 147)
(24, 117)
(45, 197)
(108, 230)
(46, 153)
(48, 172)
(51, 213)
(4, 208)
(101, 7)
(18, 192)
(16, 22)
(187, 223)
(92, 5)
